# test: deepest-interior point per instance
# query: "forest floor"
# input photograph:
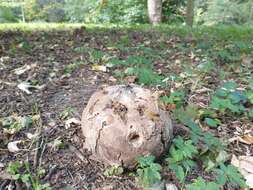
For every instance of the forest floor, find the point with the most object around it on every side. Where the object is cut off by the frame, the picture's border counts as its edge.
(47, 77)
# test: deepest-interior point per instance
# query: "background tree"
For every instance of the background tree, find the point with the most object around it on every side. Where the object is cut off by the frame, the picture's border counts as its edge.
(155, 11)
(173, 11)
(12, 11)
(190, 12)
(211, 12)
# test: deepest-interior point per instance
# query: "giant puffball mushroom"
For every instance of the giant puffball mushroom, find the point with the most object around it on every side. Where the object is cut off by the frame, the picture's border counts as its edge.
(123, 122)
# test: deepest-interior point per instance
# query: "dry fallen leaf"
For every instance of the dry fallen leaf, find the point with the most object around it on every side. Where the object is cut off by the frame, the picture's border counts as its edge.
(247, 139)
(171, 186)
(1, 165)
(245, 166)
(99, 68)
(21, 70)
(26, 86)
(13, 146)
(31, 136)
(112, 79)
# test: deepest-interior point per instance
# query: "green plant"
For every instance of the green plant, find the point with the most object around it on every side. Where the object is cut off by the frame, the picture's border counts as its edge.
(229, 174)
(228, 98)
(145, 75)
(201, 184)
(212, 151)
(180, 158)
(206, 67)
(212, 122)
(148, 172)
(70, 68)
(113, 171)
(22, 172)
(14, 124)
(68, 112)
(176, 97)
(96, 56)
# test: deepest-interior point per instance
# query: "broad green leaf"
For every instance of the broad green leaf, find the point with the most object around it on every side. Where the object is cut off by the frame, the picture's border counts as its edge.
(180, 173)
(251, 113)
(237, 97)
(229, 86)
(212, 186)
(26, 121)
(211, 122)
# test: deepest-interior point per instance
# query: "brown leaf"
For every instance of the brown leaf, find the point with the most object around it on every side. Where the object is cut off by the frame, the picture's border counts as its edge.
(245, 166)
(247, 139)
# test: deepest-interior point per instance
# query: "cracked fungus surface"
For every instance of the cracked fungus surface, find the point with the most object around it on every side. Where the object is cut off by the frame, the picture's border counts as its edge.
(122, 122)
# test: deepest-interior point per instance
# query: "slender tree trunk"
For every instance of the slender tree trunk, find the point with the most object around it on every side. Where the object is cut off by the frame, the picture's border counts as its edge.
(23, 12)
(190, 12)
(155, 11)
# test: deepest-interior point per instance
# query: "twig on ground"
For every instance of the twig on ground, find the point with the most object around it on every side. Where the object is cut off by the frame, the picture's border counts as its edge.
(78, 154)
(50, 173)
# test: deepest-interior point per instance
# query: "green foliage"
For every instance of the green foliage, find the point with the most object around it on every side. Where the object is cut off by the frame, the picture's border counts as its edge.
(229, 174)
(44, 10)
(201, 184)
(223, 12)
(68, 112)
(146, 75)
(140, 67)
(206, 67)
(21, 172)
(212, 122)
(251, 114)
(114, 11)
(173, 11)
(212, 151)
(227, 98)
(70, 68)
(148, 172)
(113, 171)
(176, 97)
(15, 124)
(180, 157)
(7, 14)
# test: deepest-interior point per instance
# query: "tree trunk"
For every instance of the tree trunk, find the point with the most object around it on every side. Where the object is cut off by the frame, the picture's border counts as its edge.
(155, 11)
(190, 12)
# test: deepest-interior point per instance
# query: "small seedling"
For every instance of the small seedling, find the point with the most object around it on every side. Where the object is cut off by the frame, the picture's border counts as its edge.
(22, 172)
(201, 184)
(176, 97)
(68, 112)
(113, 171)
(70, 68)
(15, 123)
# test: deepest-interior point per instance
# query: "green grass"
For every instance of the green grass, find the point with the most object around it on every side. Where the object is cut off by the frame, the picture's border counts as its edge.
(224, 32)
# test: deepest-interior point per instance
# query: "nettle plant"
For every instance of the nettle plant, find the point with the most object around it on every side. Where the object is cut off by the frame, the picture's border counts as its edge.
(14, 124)
(229, 100)
(180, 157)
(148, 171)
(21, 172)
(205, 148)
(139, 66)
